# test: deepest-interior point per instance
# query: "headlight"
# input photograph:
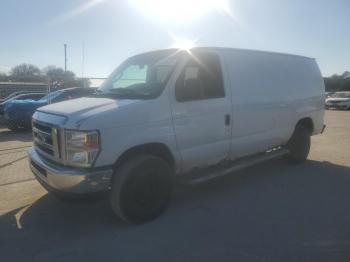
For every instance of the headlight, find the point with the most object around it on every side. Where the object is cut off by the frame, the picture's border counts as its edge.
(81, 147)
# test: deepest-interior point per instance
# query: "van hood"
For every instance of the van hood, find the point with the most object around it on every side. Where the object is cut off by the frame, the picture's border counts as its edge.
(77, 111)
(84, 105)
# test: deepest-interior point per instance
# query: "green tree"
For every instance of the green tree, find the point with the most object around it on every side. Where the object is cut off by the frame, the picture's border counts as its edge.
(337, 82)
(3, 77)
(60, 78)
(26, 73)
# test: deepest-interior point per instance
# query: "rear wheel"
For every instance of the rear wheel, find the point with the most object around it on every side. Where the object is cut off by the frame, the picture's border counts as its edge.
(299, 145)
(25, 125)
(141, 189)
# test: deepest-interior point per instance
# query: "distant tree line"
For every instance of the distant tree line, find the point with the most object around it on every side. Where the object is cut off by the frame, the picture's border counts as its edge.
(59, 78)
(56, 76)
(338, 82)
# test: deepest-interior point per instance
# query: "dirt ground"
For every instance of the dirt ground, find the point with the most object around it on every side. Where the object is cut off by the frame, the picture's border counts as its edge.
(269, 212)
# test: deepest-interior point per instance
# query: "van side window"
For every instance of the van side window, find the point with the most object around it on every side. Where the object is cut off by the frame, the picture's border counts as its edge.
(200, 79)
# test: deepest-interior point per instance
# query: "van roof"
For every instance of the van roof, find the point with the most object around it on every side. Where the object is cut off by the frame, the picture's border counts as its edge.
(230, 48)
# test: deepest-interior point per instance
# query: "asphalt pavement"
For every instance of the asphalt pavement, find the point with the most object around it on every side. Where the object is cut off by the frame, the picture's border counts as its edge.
(269, 212)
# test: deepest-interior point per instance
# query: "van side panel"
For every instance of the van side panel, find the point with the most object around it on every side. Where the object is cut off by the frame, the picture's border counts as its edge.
(270, 94)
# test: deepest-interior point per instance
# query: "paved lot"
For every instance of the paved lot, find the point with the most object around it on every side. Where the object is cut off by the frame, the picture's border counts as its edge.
(270, 212)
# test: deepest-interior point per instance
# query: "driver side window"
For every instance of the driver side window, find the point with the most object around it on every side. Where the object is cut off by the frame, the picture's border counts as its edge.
(200, 79)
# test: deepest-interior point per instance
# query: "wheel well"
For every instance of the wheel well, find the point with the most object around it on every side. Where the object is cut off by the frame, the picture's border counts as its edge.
(306, 122)
(154, 149)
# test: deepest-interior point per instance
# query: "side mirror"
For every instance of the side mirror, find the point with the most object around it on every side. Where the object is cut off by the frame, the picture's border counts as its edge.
(191, 90)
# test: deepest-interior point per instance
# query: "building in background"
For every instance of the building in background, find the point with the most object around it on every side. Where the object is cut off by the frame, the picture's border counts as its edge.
(7, 88)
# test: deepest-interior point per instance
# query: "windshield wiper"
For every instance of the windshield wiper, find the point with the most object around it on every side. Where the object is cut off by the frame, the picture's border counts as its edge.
(127, 92)
(123, 91)
(125, 95)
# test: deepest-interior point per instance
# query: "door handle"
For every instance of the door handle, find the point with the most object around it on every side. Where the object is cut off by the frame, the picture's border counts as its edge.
(227, 119)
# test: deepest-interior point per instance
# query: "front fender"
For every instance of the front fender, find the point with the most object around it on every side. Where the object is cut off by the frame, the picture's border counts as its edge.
(116, 141)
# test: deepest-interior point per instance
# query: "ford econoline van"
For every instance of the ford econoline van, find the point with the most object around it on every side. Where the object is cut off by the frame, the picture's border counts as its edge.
(190, 115)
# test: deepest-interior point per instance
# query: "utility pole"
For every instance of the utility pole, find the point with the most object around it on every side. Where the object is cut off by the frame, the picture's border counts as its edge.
(83, 63)
(65, 57)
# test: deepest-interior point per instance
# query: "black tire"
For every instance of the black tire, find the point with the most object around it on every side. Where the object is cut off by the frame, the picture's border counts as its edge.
(25, 125)
(12, 125)
(299, 145)
(141, 189)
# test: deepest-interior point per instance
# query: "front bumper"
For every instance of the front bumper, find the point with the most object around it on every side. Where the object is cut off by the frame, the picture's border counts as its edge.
(68, 179)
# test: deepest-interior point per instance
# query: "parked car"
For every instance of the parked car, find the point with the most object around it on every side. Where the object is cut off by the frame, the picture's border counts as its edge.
(328, 94)
(194, 115)
(28, 96)
(15, 94)
(18, 113)
(339, 100)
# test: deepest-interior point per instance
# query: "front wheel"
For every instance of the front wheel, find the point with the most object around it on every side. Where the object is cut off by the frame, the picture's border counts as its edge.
(141, 189)
(299, 145)
(12, 125)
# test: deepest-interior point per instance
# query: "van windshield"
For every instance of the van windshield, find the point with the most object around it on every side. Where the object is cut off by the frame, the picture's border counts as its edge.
(141, 77)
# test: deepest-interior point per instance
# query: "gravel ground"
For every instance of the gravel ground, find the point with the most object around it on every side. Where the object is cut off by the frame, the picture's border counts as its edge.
(270, 212)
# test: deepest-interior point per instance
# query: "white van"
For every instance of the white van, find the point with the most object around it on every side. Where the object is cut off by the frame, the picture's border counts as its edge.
(191, 114)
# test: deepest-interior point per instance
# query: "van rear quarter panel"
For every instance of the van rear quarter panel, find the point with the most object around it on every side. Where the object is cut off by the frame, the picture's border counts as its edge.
(271, 92)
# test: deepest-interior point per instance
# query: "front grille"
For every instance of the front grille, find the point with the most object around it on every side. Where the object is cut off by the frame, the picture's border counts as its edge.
(46, 140)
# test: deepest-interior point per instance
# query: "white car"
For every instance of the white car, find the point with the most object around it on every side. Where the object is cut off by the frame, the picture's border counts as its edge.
(339, 100)
(192, 115)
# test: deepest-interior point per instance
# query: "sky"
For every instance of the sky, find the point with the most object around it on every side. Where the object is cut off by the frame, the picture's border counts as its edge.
(34, 31)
